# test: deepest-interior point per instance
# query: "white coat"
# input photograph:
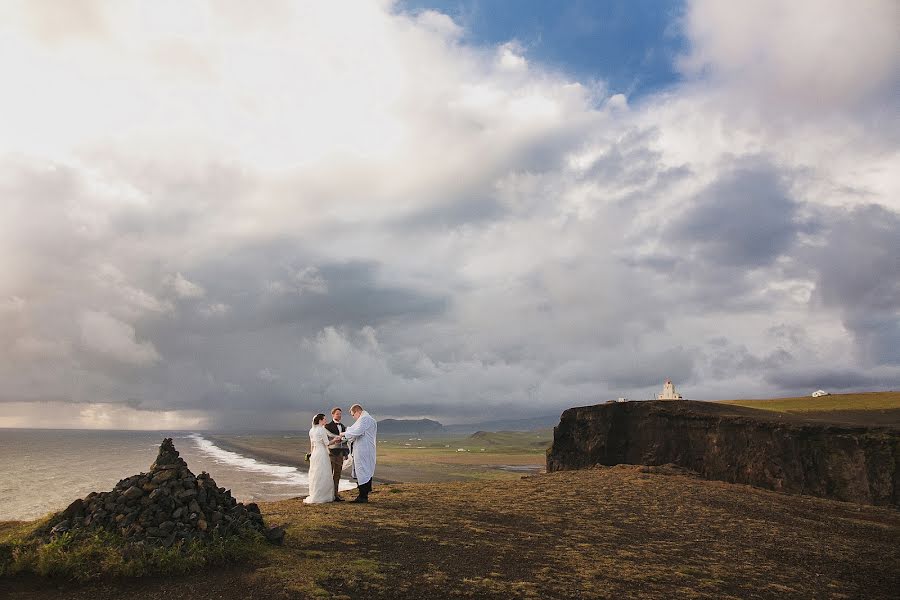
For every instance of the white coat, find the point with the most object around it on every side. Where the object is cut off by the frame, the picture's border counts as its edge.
(363, 434)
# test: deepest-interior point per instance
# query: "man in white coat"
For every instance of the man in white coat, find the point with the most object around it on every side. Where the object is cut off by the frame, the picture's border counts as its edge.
(362, 435)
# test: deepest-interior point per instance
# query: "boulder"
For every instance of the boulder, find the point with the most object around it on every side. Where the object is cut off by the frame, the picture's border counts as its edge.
(132, 493)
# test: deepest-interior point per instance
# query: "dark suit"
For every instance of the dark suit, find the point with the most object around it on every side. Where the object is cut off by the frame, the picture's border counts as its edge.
(337, 453)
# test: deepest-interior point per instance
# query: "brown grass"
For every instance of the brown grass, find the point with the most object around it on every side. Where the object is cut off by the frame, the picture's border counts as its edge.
(862, 401)
(875, 409)
(619, 532)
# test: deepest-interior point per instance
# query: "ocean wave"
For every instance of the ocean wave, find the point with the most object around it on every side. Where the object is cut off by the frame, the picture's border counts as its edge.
(283, 475)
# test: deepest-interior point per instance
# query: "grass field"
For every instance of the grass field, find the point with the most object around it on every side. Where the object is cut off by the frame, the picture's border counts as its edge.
(615, 532)
(869, 408)
(406, 458)
(864, 401)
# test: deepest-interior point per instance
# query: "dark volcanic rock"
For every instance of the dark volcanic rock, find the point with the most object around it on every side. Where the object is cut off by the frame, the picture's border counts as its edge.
(162, 505)
(734, 444)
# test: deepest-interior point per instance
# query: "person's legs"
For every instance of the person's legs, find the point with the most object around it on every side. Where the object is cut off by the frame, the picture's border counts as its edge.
(363, 489)
(337, 466)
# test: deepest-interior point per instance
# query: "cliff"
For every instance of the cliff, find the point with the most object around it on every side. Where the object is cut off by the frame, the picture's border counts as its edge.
(734, 444)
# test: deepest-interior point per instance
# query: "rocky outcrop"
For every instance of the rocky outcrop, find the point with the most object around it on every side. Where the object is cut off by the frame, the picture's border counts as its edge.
(166, 505)
(734, 444)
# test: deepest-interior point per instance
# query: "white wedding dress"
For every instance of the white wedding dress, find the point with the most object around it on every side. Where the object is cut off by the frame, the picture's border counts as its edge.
(321, 479)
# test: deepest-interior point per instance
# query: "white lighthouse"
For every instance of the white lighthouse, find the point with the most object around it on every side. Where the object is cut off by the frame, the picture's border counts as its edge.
(669, 392)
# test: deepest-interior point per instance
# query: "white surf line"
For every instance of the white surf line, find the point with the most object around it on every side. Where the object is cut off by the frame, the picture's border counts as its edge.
(285, 475)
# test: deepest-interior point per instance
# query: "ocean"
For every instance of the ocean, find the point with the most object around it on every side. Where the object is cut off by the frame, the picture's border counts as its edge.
(44, 470)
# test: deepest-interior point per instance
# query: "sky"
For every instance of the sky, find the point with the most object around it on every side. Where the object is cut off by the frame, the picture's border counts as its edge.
(218, 216)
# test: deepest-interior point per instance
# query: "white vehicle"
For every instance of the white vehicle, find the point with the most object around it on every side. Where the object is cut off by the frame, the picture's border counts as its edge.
(820, 393)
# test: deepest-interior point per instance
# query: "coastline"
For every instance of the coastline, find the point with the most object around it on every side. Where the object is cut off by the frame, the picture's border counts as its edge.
(287, 459)
(270, 455)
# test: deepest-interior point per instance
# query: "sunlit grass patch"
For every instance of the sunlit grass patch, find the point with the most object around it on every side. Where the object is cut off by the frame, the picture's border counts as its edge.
(87, 555)
(833, 402)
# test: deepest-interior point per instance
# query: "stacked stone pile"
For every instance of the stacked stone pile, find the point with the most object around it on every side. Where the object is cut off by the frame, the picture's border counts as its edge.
(163, 506)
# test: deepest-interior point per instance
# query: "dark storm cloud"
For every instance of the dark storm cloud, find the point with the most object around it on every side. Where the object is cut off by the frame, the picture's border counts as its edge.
(648, 369)
(746, 219)
(728, 361)
(281, 283)
(857, 271)
(740, 224)
(829, 379)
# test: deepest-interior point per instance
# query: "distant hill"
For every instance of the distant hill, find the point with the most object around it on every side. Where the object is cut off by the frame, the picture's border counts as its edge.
(533, 424)
(430, 427)
(523, 441)
(417, 426)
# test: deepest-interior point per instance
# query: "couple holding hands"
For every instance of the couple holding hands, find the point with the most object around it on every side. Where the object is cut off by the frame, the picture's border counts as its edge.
(335, 447)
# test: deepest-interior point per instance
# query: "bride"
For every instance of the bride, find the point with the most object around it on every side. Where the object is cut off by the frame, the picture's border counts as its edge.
(321, 480)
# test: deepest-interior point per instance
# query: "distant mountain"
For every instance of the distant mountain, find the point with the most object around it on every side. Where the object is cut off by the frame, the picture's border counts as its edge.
(409, 426)
(429, 427)
(506, 425)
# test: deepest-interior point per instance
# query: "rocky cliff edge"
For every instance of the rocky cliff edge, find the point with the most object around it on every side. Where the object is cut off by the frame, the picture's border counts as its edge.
(734, 444)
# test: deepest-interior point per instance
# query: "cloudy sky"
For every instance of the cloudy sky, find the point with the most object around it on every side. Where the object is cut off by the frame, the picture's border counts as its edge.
(233, 215)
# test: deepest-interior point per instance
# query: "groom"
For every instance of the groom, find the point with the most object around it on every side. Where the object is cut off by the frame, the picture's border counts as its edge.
(338, 452)
(362, 434)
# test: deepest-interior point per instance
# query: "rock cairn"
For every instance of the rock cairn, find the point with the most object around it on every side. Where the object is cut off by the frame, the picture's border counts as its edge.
(164, 506)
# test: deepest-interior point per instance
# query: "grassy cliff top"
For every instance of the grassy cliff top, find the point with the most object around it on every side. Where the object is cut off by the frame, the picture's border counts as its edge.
(862, 401)
(868, 408)
(617, 532)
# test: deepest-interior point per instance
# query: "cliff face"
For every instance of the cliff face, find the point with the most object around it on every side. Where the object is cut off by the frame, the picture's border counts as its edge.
(734, 444)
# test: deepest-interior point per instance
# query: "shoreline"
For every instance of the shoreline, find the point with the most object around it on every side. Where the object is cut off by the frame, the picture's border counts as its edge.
(270, 456)
(273, 456)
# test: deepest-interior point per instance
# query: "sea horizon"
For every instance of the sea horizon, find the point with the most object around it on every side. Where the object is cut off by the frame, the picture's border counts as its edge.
(41, 472)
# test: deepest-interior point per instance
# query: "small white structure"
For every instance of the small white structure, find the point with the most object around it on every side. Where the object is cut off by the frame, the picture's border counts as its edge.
(820, 393)
(669, 392)
(622, 400)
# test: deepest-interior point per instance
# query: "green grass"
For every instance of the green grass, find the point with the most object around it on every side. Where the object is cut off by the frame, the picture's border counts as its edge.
(429, 458)
(834, 402)
(488, 442)
(88, 555)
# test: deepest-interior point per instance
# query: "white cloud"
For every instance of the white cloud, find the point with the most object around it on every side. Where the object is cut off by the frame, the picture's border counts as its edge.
(216, 309)
(408, 218)
(806, 55)
(268, 374)
(64, 415)
(439, 23)
(184, 288)
(128, 301)
(110, 337)
(510, 56)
